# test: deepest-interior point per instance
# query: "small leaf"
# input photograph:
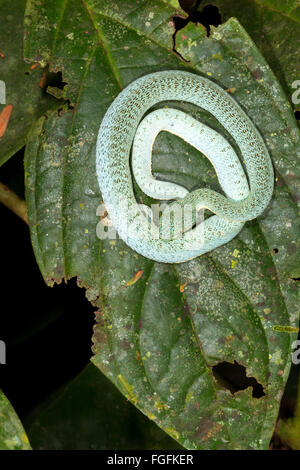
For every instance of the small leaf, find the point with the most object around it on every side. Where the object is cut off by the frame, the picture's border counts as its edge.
(12, 434)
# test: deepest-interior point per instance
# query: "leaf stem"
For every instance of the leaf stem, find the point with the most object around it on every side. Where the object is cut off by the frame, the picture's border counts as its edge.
(13, 202)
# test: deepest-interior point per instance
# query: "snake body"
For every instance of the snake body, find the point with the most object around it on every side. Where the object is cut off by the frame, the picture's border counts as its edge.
(123, 128)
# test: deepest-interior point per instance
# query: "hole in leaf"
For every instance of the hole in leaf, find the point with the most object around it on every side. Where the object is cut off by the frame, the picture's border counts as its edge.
(275, 251)
(179, 22)
(52, 79)
(233, 377)
(208, 16)
(297, 115)
(296, 279)
(187, 5)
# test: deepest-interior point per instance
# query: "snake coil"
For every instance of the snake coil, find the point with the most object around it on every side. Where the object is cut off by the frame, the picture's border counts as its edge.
(124, 127)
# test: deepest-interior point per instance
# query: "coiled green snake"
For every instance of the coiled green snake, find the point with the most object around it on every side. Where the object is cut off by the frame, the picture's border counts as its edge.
(123, 129)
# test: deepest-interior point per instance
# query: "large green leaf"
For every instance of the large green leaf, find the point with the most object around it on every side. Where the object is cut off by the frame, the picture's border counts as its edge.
(90, 413)
(12, 434)
(22, 84)
(159, 338)
(274, 26)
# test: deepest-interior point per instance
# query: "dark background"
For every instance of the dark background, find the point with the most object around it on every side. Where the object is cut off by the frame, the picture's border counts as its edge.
(47, 330)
